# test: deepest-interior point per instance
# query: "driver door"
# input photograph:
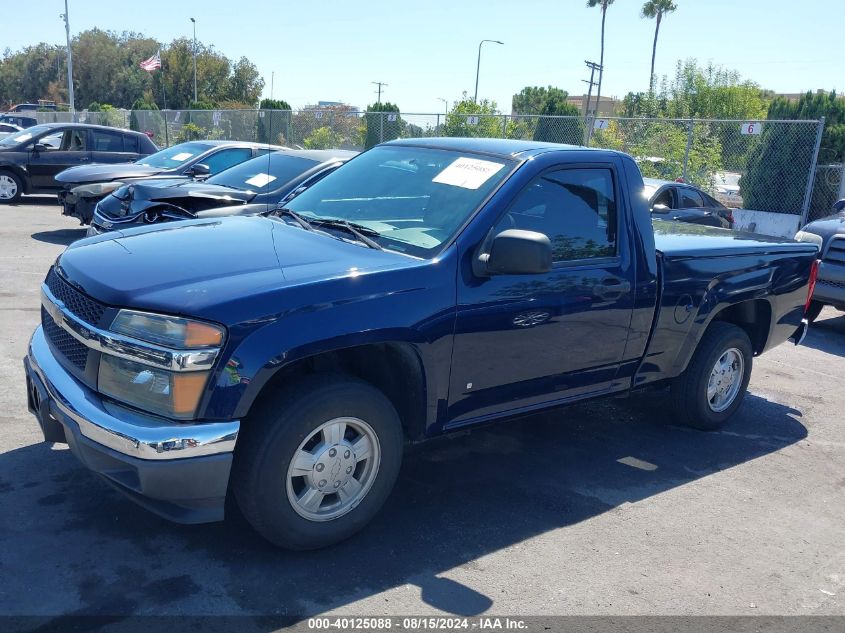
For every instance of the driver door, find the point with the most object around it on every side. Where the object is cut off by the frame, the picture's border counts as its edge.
(61, 149)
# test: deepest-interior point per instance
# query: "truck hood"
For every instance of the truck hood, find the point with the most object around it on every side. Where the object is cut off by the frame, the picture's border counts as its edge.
(191, 267)
(682, 239)
(101, 172)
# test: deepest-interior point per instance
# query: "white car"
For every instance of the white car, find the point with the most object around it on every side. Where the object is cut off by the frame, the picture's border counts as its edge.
(727, 188)
(7, 129)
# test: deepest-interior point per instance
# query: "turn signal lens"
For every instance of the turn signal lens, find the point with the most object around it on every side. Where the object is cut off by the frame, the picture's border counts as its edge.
(202, 335)
(814, 272)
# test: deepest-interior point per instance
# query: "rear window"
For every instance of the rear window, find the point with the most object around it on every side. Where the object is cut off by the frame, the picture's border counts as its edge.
(265, 173)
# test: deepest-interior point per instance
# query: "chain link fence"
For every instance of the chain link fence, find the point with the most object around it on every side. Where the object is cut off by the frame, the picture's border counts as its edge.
(758, 165)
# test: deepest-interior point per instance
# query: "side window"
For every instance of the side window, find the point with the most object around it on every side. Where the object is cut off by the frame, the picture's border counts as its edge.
(107, 141)
(575, 208)
(690, 199)
(75, 140)
(665, 198)
(52, 141)
(226, 158)
(130, 144)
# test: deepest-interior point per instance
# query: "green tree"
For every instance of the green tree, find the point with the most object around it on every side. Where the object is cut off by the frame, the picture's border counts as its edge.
(776, 176)
(468, 118)
(379, 127)
(655, 10)
(245, 84)
(603, 4)
(146, 118)
(322, 138)
(274, 121)
(552, 128)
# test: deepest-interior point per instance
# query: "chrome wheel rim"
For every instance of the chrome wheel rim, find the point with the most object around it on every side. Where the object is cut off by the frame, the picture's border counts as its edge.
(333, 469)
(8, 188)
(725, 380)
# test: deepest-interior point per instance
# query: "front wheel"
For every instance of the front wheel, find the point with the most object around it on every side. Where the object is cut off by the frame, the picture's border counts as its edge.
(715, 381)
(317, 461)
(11, 187)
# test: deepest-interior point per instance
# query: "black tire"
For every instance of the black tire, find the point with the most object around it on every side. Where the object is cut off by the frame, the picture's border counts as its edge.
(814, 310)
(689, 390)
(273, 433)
(17, 183)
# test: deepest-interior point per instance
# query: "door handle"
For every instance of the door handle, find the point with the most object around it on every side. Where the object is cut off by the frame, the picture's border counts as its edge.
(612, 288)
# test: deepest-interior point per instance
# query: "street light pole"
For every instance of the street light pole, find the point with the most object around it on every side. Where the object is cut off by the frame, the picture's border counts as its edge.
(478, 66)
(445, 103)
(195, 58)
(69, 62)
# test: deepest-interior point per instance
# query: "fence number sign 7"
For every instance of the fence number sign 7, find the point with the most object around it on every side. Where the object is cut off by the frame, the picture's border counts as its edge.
(754, 127)
(600, 124)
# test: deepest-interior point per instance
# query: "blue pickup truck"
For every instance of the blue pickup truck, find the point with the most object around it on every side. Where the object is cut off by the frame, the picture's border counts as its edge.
(425, 286)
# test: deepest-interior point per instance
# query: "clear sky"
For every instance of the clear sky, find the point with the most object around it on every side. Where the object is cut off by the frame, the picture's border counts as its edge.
(425, 49)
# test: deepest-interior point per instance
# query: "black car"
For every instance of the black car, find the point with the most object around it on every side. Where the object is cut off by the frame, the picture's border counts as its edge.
(680, 201)
(31, 158)
(85, 185)
(255, 186)
(21, 120)
(829, 235)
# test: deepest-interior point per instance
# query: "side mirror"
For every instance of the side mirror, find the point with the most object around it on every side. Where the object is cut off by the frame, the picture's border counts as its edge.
(839, 205)
(199, 170)
(40, 147)
(660, 208)
(517, 252)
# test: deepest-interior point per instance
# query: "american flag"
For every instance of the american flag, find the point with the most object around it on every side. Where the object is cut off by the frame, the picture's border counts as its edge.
(152, 63)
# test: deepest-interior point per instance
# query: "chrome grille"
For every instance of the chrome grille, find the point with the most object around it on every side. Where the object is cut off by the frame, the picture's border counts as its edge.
(82, 306)
(64, 343)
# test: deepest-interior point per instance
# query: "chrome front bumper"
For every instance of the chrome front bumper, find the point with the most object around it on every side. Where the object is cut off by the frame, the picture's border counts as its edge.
(178, 470)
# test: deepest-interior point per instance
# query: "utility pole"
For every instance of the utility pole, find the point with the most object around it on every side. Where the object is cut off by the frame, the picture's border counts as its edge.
(69, 62)
(272, 80)
(379, 84)
(195, 58)
(593, 66)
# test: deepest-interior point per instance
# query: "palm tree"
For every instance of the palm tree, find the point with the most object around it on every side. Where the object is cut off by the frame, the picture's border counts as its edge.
(603, 4)
(656, 9)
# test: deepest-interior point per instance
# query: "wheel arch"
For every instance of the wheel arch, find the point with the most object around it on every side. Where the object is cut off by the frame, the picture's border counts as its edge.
(19, 172)
(395, 368)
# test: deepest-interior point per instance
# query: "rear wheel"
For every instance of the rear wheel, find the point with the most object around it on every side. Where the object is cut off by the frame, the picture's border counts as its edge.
(714, 384)
(317, 461)
(11, 187)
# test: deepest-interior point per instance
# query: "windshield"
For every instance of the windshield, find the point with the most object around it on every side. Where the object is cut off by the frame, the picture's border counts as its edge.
(175, 156)
(413, 199)
(24, 135)
(263, 173)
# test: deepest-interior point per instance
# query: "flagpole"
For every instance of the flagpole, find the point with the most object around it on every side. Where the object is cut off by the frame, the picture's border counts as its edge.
(164, 112)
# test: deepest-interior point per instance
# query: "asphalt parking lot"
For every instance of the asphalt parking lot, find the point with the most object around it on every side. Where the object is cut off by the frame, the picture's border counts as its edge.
(603, 508)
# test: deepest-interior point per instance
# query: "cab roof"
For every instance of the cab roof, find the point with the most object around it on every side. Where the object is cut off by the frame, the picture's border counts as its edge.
(505, 148)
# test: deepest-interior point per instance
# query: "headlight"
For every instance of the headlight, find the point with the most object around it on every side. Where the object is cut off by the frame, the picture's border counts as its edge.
(171, 394)
(169, 331)
(96, 189)
(167, 392)
(812, 238)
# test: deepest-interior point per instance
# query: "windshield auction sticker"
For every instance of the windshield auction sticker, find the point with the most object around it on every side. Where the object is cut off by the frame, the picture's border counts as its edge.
(260, 180)
(182, 156)
(469, 173)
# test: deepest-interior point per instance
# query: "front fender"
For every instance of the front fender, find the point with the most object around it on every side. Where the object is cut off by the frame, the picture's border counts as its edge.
(418, 311)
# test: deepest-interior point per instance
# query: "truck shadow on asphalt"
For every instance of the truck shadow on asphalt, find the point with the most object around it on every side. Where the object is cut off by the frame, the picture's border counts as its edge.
(827, 335)
(76, 547)
(60, 236)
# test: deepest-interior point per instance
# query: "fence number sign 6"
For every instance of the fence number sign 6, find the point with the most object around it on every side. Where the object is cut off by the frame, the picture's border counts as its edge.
(755, 127)
(391, 117)
(600, 124)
